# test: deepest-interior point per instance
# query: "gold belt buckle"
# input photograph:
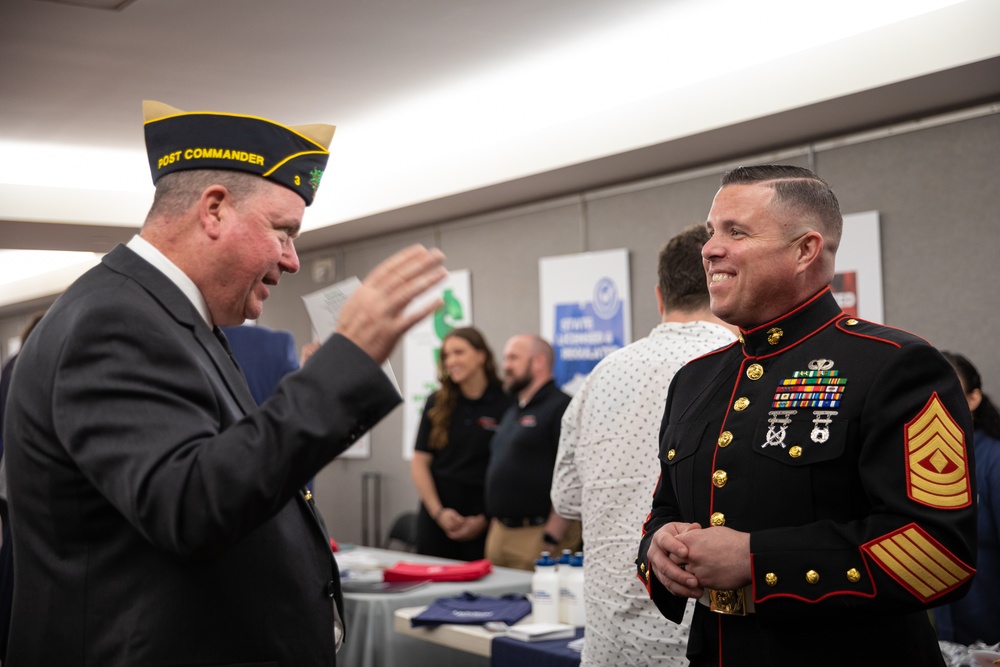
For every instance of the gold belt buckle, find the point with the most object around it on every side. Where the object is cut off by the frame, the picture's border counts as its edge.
(728, 602)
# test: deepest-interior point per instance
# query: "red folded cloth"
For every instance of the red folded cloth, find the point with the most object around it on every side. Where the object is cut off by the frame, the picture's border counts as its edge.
(470, 571)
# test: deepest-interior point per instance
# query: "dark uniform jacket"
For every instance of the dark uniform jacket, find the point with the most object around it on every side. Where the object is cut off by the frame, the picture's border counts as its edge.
(158, 518)
(844, 448)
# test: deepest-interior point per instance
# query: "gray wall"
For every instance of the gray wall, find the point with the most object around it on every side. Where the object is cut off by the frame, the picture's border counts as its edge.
(936, 187)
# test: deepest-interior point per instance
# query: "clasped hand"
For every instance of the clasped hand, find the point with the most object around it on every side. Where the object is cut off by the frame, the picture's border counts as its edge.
(687, 558)
(459, 527)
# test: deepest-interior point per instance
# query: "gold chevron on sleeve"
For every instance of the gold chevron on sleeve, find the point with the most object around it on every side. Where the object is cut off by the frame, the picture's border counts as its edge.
(937, 464)
(918, 562)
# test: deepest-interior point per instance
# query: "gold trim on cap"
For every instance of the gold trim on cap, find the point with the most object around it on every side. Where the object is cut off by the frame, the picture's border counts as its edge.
(320, 133)
(317, 133)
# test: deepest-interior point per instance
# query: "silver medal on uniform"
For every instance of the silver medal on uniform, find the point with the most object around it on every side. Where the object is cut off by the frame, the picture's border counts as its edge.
(821, 425)
(776, 425)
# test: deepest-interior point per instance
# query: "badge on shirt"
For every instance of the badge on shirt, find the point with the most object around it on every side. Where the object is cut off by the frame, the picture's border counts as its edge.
(528, 421)
(937, 463)
(818, 387)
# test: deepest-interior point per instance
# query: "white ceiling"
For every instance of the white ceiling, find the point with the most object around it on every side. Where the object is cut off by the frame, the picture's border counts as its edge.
(451, 107)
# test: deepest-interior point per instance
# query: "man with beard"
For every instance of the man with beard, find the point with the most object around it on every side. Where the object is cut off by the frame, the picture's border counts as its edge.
(522, 457)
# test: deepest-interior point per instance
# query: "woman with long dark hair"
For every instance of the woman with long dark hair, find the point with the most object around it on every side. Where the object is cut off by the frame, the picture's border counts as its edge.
(453, 448)
(976, 617)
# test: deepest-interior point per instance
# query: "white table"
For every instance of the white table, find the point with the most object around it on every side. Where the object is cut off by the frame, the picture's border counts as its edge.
(473, 639)
(371, 640)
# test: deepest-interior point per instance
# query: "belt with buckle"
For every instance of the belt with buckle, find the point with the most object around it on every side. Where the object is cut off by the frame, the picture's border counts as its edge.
(523, 522)
(737, 602)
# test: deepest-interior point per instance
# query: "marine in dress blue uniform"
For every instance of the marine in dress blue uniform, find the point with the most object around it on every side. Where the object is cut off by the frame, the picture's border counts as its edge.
(842, 447)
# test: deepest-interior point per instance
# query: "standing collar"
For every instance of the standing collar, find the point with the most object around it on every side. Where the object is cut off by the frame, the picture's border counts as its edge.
(791, 328)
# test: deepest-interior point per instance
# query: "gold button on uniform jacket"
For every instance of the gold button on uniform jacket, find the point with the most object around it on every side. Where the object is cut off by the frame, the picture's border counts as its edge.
(844, 448)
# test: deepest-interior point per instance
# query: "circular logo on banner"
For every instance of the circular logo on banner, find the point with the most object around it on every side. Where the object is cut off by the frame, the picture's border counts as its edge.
(606, 301)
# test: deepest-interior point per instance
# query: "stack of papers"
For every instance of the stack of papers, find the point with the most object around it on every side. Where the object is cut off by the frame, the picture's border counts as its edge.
(536, 632)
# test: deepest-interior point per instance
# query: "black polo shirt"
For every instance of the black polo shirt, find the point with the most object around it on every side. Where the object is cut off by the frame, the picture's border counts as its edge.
(459, 468)
(523, 456)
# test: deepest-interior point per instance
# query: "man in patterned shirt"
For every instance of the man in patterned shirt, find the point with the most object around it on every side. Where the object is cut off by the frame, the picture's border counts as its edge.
(606, 467)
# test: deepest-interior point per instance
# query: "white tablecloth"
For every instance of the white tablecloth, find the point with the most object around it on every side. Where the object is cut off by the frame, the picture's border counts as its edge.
(371, 640)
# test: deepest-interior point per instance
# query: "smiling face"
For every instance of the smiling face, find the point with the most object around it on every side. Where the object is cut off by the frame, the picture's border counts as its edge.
(256, 245)
(752, 258)
(461, 361)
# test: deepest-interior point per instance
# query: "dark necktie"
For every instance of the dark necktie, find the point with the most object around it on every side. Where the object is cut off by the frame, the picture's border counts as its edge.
(225, 345)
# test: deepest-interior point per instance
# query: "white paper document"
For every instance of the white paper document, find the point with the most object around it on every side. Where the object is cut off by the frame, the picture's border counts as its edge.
(324, 308)
(536, 632)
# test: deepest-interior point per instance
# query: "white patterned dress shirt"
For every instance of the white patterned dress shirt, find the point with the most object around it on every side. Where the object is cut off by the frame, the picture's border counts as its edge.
(605, 473)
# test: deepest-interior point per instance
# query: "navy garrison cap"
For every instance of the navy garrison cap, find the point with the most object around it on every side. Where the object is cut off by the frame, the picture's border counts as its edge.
(294, 156)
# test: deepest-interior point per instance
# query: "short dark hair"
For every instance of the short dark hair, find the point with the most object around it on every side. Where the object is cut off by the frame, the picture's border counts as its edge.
(796, 188)
(986, 417)
(176, 192)
(682, 281)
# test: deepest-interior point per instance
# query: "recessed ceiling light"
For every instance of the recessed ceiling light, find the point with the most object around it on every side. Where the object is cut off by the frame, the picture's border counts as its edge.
(113, 5)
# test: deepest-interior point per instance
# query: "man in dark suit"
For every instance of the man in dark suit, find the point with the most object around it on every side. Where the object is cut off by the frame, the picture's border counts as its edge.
(158, 515)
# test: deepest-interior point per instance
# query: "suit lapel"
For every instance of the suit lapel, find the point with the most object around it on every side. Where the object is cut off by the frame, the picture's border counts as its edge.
(176, 304)
(226, 367)
(216, 361)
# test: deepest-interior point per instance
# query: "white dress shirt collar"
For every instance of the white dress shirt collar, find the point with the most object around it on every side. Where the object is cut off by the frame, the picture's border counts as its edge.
(148, 252)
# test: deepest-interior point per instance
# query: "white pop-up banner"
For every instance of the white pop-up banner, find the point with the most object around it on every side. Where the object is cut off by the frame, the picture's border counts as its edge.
(422, 348)
(858, 281)
(586, 310)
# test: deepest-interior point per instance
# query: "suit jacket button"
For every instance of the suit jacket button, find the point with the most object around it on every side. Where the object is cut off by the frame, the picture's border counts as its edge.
(331, 589)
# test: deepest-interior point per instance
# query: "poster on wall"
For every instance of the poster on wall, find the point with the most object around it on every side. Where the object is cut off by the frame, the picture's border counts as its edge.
(857, 284)
(422, 348)
(586, 310)
(324, 308)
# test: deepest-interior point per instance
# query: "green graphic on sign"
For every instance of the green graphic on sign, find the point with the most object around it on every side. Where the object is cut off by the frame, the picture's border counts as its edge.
(445, 318)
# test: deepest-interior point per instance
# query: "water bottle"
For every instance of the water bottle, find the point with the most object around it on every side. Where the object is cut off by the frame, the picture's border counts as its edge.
(562, 569)
(576, 611)
(545, 591)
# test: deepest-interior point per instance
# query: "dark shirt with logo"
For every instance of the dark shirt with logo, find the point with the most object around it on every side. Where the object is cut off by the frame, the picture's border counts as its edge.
(523, 456)
(459, 469)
